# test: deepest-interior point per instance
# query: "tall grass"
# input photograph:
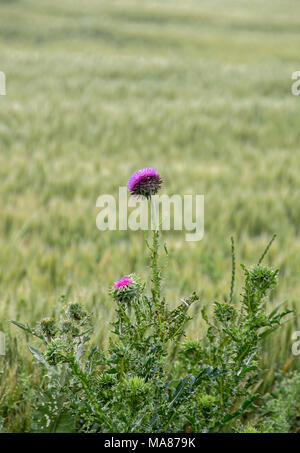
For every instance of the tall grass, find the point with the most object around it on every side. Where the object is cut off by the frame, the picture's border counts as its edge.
(198, 90)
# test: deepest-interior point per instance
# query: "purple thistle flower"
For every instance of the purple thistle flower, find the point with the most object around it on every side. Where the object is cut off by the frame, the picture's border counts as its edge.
(145, 182)
(127, 289)
(124, 281)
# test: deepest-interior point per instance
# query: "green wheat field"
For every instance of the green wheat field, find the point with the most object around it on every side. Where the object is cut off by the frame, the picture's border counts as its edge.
(199, 90)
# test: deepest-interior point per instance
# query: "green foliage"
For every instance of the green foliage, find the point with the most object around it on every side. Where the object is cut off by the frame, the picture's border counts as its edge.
(280, 409)
(149, 380)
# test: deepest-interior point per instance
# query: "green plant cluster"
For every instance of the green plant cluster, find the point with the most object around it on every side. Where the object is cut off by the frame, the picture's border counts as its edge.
(150, 378)
(280, 412)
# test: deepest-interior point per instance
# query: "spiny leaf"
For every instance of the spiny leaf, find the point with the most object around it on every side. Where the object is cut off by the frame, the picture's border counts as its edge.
(22, 326)
(266, 249)
(273, 312)
(37, 354)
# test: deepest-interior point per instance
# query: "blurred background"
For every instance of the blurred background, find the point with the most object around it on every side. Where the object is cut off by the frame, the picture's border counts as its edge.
(199, 90)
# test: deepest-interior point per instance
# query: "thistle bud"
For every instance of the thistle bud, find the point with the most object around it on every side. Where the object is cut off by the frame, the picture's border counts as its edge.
(205, 402)
(69, 327)
(76, 311)
(224, 311)
(262, 277)
(135, 389)
(48, 327)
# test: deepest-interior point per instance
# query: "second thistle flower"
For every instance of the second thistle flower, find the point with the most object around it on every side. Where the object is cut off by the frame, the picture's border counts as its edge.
(126, 289)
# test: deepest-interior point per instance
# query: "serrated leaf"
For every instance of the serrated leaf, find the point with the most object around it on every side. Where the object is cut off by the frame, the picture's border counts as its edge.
(37, 354)
(179, 389)
(22, 326)
(272, 329)
(238, 412)
(273, 312)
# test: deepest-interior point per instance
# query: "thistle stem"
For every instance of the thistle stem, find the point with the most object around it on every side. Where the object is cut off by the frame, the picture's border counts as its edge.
(156, 278)
(153, 214)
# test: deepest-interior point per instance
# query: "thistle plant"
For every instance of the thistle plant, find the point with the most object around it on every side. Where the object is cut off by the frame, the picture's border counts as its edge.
(151, 378)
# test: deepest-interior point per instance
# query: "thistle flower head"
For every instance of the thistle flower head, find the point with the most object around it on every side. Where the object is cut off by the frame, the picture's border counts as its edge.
(124, 281)
(126, 289)
(145, 182)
